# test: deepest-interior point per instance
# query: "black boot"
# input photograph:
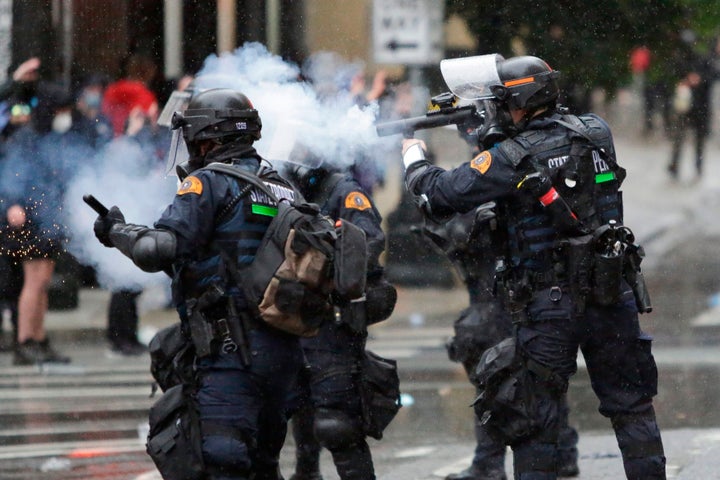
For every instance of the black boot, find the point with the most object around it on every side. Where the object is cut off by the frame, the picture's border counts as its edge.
(307, 448)
(354, 462)
(476, 472)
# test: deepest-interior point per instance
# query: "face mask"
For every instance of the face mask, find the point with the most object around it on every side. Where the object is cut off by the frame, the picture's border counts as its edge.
(62, 122)
(92, 100)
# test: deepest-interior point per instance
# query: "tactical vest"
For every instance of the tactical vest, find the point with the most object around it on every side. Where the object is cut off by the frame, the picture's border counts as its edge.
(579, 160)
(238, 231)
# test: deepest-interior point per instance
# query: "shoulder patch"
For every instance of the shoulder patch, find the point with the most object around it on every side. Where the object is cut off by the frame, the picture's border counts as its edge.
(357, 201)
(482, 162)
(190, 185)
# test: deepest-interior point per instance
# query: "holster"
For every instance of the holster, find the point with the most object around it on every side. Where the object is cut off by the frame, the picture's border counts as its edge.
(515, 291)
(216, 326)
(635, 278)
(201, 332)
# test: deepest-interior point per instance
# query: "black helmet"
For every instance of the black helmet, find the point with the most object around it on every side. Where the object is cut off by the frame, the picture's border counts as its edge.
(528, 83)
(219, 113)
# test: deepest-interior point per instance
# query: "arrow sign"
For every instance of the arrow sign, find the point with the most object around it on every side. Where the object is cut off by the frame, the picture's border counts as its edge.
(408, 32)
(394, 45)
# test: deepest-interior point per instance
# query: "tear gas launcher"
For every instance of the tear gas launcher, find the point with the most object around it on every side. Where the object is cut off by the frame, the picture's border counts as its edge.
(444, 110)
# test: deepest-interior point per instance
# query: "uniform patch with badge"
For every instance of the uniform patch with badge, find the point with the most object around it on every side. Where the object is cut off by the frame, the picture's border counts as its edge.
(190, 185)
(357, 201)
(482, 162)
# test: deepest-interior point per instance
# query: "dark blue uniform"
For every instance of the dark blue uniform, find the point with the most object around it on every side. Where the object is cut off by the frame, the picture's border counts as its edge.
(551, 327)
(241, 407)
(470, 242)
(329, 408)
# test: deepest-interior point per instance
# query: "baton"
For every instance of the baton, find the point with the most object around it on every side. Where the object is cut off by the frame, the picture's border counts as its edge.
(96, 205)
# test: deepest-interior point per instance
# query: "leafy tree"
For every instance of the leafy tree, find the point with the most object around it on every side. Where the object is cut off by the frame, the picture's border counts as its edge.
(589, 42)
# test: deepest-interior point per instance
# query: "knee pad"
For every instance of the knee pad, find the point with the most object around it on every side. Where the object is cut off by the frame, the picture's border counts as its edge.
(335, 429)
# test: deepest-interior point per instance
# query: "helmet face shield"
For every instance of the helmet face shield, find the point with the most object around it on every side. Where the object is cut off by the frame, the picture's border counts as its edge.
(177, 102)
(473, 78)
(177, 153)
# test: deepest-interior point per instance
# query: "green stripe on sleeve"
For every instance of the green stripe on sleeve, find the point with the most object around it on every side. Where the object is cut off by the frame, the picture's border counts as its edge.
(264, 210)
(604, 177)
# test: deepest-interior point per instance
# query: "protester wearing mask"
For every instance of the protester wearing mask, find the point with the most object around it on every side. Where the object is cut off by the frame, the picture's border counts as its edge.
(87, 118)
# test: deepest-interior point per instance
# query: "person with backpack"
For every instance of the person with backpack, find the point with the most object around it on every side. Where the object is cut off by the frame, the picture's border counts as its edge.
(327, 409)
(243, 368)
(570, 274)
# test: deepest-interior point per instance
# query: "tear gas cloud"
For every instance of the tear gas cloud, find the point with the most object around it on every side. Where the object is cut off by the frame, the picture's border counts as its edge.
(322, 117)
(119, 175)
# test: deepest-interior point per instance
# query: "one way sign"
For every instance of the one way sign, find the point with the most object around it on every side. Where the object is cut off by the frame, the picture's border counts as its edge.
(408, 31)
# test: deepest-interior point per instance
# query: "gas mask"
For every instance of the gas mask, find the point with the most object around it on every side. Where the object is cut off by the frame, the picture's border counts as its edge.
(491, 125)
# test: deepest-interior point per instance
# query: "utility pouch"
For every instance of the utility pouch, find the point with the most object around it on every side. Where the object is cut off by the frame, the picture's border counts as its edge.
(610, 243)
(380, 393)
(580, 268)
(607, 278)
(350, 261)
(506, 405)
(174, 441)
(171, 357)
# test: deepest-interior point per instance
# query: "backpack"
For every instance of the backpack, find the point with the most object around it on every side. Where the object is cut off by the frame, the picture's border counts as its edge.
(305, 264)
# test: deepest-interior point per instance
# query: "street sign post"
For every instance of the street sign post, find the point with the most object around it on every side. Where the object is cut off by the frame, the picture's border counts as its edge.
(408, 32)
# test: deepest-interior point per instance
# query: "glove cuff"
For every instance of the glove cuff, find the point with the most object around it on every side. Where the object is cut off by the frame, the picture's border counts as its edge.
(413, 154)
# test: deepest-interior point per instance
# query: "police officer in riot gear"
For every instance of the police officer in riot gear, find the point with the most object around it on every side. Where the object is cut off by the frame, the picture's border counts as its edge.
(472, 242)
(556, 184)
(327, 410)
(245, 374)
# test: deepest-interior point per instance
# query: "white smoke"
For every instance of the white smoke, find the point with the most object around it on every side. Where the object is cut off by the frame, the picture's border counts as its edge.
(119, 175)
(322, 117)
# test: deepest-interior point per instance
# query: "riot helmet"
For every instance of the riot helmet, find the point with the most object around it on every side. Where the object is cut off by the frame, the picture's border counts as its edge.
(219, 115)
(523, 82)
(529, 83)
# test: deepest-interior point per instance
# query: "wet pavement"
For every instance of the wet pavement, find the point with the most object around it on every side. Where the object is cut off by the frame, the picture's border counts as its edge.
(85, 421)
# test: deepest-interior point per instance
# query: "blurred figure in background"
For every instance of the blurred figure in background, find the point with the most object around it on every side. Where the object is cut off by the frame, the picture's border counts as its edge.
(147, 144)
(19, 90)
(691, 111)
(41, 157)
(88, 120)
(130, 92)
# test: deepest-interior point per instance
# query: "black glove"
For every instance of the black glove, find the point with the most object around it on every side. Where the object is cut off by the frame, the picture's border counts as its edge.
(104, 223)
